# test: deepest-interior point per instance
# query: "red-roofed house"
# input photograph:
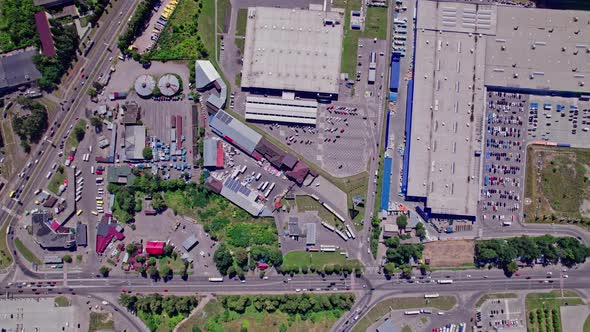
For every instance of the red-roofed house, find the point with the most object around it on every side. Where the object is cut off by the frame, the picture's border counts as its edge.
(105, 233)
(44, 30)
(154, 248)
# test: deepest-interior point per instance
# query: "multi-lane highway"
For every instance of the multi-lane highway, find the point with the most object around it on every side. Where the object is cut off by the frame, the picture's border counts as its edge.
(75, 99)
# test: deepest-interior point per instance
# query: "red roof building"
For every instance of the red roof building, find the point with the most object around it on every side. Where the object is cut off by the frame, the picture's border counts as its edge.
(154, 248)
(44, 30)
(104, 235)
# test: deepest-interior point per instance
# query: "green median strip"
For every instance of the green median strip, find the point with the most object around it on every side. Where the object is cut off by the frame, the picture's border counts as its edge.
(27, 254)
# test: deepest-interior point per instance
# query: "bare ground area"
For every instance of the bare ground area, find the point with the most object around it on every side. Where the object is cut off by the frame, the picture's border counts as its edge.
(449, 253)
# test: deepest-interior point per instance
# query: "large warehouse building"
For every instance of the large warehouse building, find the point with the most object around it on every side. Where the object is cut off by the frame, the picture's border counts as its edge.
(281, 110)
(293, 50)
(461, 50)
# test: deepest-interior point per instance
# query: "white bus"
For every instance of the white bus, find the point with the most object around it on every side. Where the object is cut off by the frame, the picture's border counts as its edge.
(328, 226)
(258, 176)
(444, 281)
(264, 185)
(272, 186)
(412, 312)
(243, 169)
(260, 186)
(216, 279)
(350, 232)
(344, 237)
(431, 296)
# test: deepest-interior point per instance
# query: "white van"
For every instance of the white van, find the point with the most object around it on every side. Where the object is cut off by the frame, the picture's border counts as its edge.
(49, 174)
(91, 169)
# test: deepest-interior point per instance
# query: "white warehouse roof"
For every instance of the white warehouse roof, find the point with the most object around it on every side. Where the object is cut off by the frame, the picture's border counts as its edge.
(281, 110)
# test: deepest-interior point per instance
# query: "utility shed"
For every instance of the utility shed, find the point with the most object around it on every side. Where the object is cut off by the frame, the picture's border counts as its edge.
(190, 242)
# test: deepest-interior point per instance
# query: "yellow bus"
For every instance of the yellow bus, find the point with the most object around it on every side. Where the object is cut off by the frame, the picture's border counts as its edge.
(11, 195)
(79, 212)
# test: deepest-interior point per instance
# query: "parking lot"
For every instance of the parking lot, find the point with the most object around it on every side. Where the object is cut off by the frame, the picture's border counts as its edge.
(504, 156)
(498, 314)
(559, 120)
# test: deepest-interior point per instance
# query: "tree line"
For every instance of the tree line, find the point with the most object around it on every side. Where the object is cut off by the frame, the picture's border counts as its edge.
(66, 43)
(150, 306)
(504, 252)
(291, 304)
(136, 25)
(17, 24)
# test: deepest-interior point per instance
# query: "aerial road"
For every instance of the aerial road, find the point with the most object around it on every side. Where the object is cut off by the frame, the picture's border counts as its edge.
(46, 154)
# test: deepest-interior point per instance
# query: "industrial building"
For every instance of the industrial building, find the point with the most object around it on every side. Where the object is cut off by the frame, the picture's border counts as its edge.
(234, 131)
(135, 140)
(213, 153)
(310, 234)
(444, 160)
(293, 50)
(237, 193)
(281, 110)
(49, 234)
(17, 69)
(461, 50)
(206, 77)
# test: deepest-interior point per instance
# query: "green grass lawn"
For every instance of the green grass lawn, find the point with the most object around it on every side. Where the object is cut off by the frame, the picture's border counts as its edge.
(72, 140)
(319, 259)
(406, 328)
(351, 39)
(543, 309)
(376, 23)
(240, 44)
(177, 265)
(5, 256)
(307, 203)
(563, 187)
(180, 40)
(587, 324)
(242, 21)
(160, 323)
(211, 309)
(400, 303)
(27, 254)
(495, 296)
(224, 220)
(101, 321)
(62, 301)
(57, 179)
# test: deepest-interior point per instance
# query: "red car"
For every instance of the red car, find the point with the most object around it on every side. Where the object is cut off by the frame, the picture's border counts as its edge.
(341, 130)
(123, 291)
(528, 277)
(517, 274)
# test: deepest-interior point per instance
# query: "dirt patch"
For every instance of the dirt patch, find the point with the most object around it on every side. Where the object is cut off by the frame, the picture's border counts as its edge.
(450, 253)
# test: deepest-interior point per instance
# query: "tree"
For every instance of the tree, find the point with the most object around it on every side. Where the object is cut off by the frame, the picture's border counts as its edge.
(168, 250)
(424, 269)
(140, 258)
(141, 270)
(389, 269)
(402, 221)
(223, 259)
(329, 269)
(152, 271)
(165, 271)
(92, 92)
(158, 203)
(406, 271)
(511, 268)
(96, 121)
(67, 258)
(104, 270)
(147, 153)
(130, 248)
(392, 242)
(420, 231)
(151, 261)
(241, 257)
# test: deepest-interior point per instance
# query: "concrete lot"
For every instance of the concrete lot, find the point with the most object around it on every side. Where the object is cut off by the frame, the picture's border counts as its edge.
(32, 314)
(572, 318)
(503, 313)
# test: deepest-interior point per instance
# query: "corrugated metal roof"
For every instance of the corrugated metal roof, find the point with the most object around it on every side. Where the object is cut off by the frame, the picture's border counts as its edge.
(310, 234)
(235, 131)
(210, 152)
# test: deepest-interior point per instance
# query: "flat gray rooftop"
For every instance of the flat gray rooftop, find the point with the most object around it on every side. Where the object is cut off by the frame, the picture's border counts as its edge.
(540, 49)
(292, 49)
(447, 113)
